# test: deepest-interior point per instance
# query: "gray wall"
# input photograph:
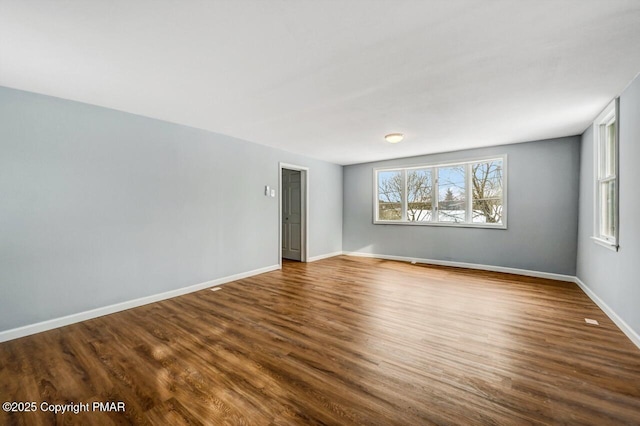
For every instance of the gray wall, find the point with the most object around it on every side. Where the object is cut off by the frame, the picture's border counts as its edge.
(100, 207)
(614, 276)
(542, 216)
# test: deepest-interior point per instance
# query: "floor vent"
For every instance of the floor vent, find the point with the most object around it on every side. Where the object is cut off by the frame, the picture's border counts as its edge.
(591, 321)
(216, 288)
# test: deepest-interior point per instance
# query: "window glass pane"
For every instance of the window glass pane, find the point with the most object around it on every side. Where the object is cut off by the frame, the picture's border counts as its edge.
(451, 194)
(610, 149)
(390, 195)
(486, 186)
(607, 218)
(419, 195)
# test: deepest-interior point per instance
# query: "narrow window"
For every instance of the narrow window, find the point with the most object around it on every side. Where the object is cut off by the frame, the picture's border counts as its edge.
(451, 194)
(419, 195)
(486, 182)
(606, 177)
(390, 185)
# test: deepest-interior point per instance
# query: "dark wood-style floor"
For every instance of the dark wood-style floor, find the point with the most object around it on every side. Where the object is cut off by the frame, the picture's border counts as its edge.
(340, 341)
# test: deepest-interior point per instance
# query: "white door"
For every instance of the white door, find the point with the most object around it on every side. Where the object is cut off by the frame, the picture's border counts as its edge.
(291, 215)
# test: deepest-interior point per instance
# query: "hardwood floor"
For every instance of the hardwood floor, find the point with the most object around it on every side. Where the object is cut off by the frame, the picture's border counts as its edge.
(341, 341)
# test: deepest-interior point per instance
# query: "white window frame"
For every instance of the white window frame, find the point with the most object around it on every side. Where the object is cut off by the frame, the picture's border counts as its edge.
(468, 189)
(610, 113)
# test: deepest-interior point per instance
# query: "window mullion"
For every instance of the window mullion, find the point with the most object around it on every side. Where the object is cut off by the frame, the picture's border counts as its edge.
(404, 195)
(601, 136)
(436, 191)
(433, 198)
(468, 194)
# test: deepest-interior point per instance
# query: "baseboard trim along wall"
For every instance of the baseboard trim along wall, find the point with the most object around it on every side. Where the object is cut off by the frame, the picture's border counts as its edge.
(324, 256)
(525, 272)
(27, 330)
(622, 325)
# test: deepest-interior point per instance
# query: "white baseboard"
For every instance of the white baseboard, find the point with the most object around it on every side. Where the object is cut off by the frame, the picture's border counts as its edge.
(622, 325)
(27, 330)
(525, 272)
(324, 256)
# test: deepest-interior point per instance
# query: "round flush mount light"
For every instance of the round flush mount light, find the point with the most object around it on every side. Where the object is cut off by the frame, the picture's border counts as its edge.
(394, 137)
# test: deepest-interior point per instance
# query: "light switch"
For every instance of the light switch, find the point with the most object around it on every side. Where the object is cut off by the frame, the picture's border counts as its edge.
(273, 193)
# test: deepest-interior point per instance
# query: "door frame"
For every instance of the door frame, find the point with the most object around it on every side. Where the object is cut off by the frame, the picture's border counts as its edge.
(304, 217)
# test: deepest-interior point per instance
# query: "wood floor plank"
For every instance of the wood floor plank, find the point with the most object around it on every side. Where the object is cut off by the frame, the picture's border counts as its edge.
(340, 341)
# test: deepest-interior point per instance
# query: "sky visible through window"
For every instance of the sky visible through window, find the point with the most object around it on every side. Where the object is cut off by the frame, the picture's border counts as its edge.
(451, 178)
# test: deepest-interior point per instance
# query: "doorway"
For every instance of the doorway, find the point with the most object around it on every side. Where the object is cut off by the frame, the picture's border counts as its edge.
(293, 212)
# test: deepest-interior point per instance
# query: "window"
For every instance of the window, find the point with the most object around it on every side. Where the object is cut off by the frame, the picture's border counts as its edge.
(605, 133)
(451, 194)
(390, 195)
(419, 195)
(470, 193)
(486, 179)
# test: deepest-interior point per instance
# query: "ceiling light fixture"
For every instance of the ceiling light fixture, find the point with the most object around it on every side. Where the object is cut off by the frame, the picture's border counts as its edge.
(394, 137)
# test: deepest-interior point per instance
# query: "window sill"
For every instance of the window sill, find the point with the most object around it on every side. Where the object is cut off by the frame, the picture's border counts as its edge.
(450, 225)
(605, 243)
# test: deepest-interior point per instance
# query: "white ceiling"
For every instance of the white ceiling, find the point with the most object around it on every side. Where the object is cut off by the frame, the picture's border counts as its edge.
(329, 79)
